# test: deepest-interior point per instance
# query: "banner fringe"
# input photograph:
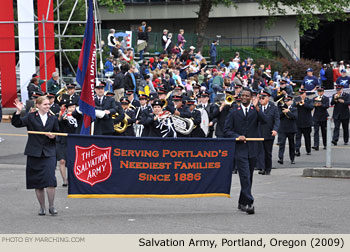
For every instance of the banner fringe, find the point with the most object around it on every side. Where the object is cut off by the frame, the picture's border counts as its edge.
(98, 196)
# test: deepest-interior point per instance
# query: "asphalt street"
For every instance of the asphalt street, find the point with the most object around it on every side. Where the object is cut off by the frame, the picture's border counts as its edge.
(285, 202)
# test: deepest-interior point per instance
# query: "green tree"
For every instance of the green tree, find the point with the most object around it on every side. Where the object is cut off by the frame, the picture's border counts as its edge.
(307, 11)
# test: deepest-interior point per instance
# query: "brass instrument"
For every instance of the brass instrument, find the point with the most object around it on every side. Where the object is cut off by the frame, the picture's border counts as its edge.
(182, 125)
(317, 100)
(229, 99)
(336, 97)
(165, 103)
(61, 92)
(121, 126)
(301, 103)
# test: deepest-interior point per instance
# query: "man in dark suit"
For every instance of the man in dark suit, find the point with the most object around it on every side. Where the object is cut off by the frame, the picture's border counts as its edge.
(243, 122)
(105, 108)
(341, 114)
(287, 129)
(304, 122)
(321, 104)
(268, 129)
(73, 96)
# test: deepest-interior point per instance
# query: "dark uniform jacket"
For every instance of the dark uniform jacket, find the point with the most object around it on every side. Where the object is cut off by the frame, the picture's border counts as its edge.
(74, 98)
(341, 110)
(237, 124)
(118, 81)
(131, 120)
(272, 121)
(197, 119)
(38, 145)
(105, 124)
(321, 113)
(304, 119)
(55, 108)
(145, 116)
(219, 131)
(288, 122)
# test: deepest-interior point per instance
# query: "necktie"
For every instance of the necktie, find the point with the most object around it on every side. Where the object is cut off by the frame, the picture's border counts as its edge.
(246, 112)
(101, 100)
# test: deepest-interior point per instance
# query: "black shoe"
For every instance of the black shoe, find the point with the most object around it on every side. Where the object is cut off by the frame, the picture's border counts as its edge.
(280, 161)
(250, 209)
(242, 207)
(346, 143)
(267, 173)
(64, 185)
(42, 211)
(334, 142)
(315, 148)
(297, 153)
(262, 172)
(325, 148)
(292, 162)
(309, 153)
(53, 211)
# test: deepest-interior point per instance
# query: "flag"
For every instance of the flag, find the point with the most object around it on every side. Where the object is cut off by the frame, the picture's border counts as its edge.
(86, 73)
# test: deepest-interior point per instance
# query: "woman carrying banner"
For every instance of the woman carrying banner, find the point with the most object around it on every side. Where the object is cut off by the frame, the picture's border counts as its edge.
(40, 151)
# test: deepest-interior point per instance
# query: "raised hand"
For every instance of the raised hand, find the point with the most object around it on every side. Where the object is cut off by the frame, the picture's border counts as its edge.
(19, 105)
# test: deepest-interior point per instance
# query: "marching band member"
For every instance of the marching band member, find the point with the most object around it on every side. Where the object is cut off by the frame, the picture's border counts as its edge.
(341, 114)
(71, 92)
(68, 124)
(269, 129)
(40, 151)
(54, 107)
(224, 109)
(304, 122)
(142, 113)
(108, 107)
(287, 129)
(212, 110)
(133, 101)
(180, 110)
(197, 119)
(159, 127)
(243, 122)
(321, 104)
(130, 115)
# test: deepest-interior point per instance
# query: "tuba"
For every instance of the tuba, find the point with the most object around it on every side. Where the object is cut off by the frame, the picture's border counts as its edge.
(61, 92)
(121, 126)
(182, 125)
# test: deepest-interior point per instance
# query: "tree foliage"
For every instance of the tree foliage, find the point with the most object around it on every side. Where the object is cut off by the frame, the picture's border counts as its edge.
(307, 10)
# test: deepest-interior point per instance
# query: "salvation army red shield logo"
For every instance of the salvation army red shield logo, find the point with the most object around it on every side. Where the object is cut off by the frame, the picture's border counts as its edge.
(92, 164)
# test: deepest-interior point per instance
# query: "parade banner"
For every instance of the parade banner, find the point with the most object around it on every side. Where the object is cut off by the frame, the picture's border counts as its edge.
(129, 167)
(86, 73)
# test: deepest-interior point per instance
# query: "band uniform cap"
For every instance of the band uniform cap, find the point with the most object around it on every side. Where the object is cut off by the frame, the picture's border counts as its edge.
(309, 69)
(100, 85)
(343, 71)
(71, 85)
(265, 92)
(153, 96)
(51, 95)
(177, 98)
(110, 94)
(320, 89)
(339, 86)
(179, 87)
(129, 92)
(143, 96)
(124, 100)
(157, 102)
(190, 102)
(204, 94)
(70, 103)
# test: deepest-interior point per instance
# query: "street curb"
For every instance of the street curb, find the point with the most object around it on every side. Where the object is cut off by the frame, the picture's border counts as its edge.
(327, 172)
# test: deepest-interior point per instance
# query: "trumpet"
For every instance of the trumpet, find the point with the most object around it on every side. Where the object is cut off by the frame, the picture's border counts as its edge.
(229, 99)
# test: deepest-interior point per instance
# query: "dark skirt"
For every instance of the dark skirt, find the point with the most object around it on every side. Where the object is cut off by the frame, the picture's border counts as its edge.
(61, 149)
(40, 172)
